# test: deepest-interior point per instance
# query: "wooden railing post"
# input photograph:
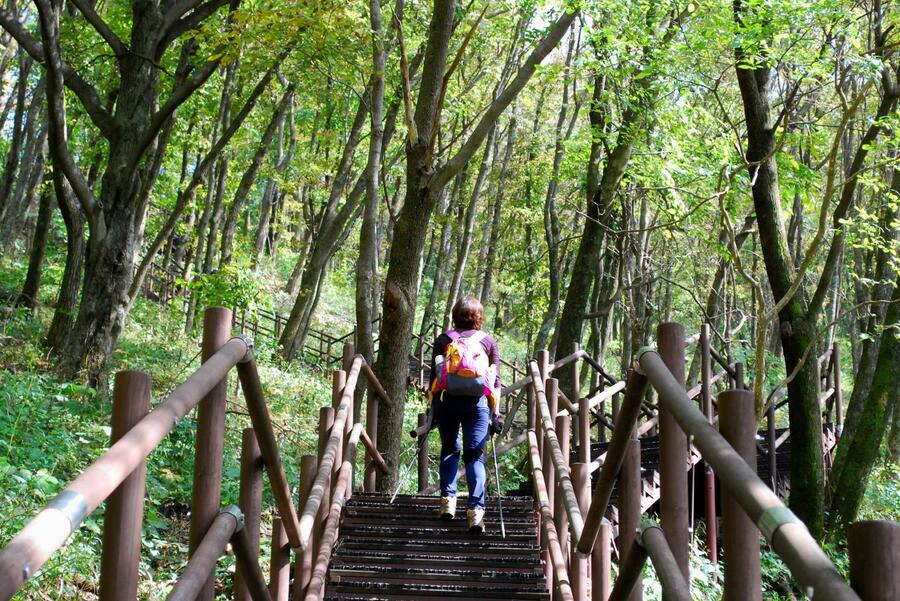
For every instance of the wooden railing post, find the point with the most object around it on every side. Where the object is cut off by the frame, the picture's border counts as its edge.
(673, 453)
(422, 453)
(280, 563)
(304, 557)
(874, 548)
(838, 394)
(578, 565)
(531, 408)
(601, 564)
(601, 409)
(326, 420)
(372, 431)
(739, 376)
(772, 456)
(125, 507)
(706, 405)
(584, 413)
(737, 423)
(560, 517)
(348, 352)
(210, 441)
(630, 487)
(250, 502)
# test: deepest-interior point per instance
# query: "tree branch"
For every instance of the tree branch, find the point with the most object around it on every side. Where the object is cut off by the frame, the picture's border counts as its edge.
(101, 27)
(404, 71)
(503, 99)
(172, 30)
(446, 81)
(185, 195)
(886, 106)
(178, 96)
(56, 116)
(86, 93)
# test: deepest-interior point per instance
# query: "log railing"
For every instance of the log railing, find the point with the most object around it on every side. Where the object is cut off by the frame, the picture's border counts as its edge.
(117, 477)
(570, 512)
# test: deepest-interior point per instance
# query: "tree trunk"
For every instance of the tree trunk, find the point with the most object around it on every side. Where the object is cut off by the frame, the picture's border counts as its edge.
(249, 177)
(798, 333)
(860, 448)
(859, 405)
(131, 126)
(424, 186)
(265, 216)
(67, 299)
(465, 242)
(571, 322)
(218, 211)
(29, 295)
(367, 262)
(12, 156)
(551, 215)
(31, 167)
(497, 213)
(335, 223)
(442, 249)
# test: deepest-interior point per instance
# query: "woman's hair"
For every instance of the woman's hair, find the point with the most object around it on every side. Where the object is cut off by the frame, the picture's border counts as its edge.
(468, 313)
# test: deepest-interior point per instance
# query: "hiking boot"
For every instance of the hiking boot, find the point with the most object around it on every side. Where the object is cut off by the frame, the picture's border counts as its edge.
(448, 508)
(475, 516)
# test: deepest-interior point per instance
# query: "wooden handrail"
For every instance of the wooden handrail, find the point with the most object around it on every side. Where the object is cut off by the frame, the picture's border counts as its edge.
(696, 390)
(316, 587)
(326, 464)
(569, 408)
(557, 557)
(782, 529)
(615, 454)
(650, 541)
(570, 500)
(600, 397)
(203, 561)
(671, 579)
(265, 436)
(377, 388)
(374, 453)
(49, 529)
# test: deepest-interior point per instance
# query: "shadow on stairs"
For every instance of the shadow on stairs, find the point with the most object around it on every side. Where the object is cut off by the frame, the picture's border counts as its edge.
(403, 551)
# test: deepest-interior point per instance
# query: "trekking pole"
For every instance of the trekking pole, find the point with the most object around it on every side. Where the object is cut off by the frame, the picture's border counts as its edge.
(499, 494)
(399, 479)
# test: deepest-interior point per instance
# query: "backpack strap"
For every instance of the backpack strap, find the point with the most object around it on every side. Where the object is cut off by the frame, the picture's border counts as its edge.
(453, 335)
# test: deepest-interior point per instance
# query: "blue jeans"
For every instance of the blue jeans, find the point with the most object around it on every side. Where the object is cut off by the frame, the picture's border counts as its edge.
(473, 415)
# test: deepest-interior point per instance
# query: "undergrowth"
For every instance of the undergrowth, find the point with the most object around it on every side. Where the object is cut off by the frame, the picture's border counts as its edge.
(50, 431)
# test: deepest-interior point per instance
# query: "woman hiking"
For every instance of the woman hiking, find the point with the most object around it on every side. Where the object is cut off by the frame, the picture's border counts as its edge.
(465, 389)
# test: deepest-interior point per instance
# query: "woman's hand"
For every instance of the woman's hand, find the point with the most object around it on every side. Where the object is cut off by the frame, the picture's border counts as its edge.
(496, 424)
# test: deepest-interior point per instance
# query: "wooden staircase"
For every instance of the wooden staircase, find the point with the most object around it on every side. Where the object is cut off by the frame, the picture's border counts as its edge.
(401, 550)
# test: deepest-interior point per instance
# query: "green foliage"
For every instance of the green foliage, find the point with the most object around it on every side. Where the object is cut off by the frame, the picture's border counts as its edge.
(882, 498)
(230, 286)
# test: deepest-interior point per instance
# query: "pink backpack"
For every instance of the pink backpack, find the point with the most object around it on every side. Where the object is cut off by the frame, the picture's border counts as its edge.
(466, 369)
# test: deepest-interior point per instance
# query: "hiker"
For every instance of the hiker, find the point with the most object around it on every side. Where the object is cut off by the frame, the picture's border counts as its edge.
(465, 391)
